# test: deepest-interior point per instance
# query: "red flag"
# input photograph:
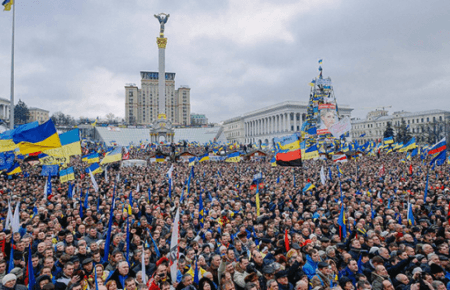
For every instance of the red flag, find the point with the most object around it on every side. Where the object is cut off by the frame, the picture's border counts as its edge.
(286, 240)
(410, 169)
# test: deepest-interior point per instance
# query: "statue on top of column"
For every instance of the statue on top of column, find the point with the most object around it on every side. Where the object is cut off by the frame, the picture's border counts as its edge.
(162, 18)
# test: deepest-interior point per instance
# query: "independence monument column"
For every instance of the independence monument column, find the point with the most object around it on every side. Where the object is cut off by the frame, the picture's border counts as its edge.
(162, 126)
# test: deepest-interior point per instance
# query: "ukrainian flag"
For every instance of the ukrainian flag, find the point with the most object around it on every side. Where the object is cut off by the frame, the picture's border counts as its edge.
(308, 186)
(288, 143)
(410, 216)
(273, 161)
(342, 222)
(14, 169)
(70, 142)
(95, 168)
(204, 157)
(37, 139)
(7, 4)
(112, 156)
(91, 158)
(311, 153)
(388, 140)
(6, 138)
(160, 158)
(66, 175)
(233, 157)
(192, 161)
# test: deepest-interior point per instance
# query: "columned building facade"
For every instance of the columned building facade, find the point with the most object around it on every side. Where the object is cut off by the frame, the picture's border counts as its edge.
(4, 109)
(263, 125)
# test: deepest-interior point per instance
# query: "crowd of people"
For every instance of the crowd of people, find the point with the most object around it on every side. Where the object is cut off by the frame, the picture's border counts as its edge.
(295, 242)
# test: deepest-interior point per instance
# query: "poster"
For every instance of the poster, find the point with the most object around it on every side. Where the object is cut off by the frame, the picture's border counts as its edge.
(341, 127)
(327, 118)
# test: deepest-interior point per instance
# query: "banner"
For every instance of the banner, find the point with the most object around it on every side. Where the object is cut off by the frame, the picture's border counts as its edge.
(325, 82)
(53, 170)
(340, 128)
(54, 160)
(328, 117)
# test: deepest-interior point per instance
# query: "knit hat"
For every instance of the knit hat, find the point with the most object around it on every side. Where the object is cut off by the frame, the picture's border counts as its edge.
(8, 278)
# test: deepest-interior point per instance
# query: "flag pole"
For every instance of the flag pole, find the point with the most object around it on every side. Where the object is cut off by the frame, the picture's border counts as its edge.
(11, 106)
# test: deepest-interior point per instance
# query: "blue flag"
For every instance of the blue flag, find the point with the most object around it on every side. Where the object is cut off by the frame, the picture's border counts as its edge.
(31, 278)
(158, 254)
(426, 191)
(108, 233)
(11, 257)
(86, 199)
(127, 255)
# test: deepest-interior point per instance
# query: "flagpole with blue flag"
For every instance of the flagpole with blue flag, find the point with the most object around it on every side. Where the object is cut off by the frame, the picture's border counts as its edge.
(108, 233)
(86, 197)
(128, 242)
(426, 190)
(196, 272)
(11, 257)
(158, 254)
(31, 278)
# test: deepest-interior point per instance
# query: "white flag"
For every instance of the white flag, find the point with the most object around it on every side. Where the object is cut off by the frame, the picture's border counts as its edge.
(9, 217)
(106, 174)
(15, 223)
(94, 183)
(138, 188)
(169, 173)
(118, 177)
(174, 247)
(323, 177)
(144, 276)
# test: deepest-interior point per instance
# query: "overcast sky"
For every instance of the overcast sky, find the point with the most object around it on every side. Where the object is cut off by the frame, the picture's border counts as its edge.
(237, 56)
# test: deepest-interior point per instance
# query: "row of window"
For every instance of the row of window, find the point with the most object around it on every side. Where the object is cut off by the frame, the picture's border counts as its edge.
(398, 122)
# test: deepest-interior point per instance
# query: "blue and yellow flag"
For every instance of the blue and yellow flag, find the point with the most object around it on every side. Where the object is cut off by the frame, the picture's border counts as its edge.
(160, 158)
(91, 158)
(409, 146)
(273, 162)
(41, 138)
(192, 161)
(112, 156)
(308, 186)
(342, 223)
(14, 169)
(95, 168)
(388, 140)
(204, 157)
(290, 143)
(70, 144)
(66, 175)
(410, 216)
(200, 211)
(233, 157)
(7, 4)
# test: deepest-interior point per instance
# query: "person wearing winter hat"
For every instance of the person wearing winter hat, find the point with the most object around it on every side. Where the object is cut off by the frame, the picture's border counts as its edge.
(9, 283)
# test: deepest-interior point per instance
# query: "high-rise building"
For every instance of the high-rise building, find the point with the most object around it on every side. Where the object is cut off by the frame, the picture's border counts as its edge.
(142, 104)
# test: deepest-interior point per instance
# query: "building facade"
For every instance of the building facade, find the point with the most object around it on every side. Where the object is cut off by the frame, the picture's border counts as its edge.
(263, 125)
(198, 119)
(4, 109)
(373, 127)
(39, 115)
(142, 104)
